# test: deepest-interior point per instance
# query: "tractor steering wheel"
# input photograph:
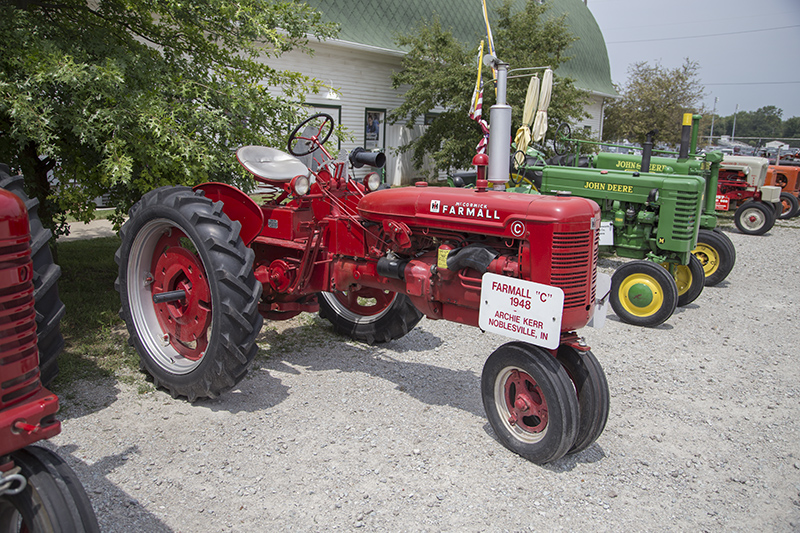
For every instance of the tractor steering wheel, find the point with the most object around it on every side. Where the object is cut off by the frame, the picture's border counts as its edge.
(313, 135)
(561, 142)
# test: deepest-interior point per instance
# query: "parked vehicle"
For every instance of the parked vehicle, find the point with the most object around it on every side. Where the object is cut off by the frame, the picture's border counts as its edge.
(742, 186)
(39, 492)
(714, 249)
(651, 214)
(787, 177)
(200, 269)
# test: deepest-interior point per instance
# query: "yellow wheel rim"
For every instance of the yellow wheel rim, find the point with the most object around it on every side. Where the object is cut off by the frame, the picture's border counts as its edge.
(641, 295)
(682, 276)
(708, 256)
(520, 182)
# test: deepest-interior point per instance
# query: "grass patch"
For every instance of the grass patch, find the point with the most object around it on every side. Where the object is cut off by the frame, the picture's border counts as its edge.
(95, 336)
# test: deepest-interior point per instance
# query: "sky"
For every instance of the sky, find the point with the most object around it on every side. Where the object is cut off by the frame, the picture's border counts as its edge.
(748, 51)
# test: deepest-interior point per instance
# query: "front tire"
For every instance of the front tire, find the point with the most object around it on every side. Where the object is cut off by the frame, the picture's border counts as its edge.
(201, 345)
(369, 315)
(530, 402)
(643, 293)
(53, 500)
(591, 387)
(49, 307)
(789, 206)
(716, 254)
(689, 280)
(754, 218)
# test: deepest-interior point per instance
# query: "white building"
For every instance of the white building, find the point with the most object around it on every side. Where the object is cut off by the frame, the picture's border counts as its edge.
(360, 62)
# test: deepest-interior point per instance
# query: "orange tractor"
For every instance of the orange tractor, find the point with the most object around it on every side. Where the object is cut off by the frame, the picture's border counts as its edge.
(787, 177)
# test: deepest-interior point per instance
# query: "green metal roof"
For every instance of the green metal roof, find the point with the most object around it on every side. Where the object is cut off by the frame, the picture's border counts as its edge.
(378, 22)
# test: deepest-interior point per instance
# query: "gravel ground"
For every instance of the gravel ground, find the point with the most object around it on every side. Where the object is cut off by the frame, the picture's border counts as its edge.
(326, 434)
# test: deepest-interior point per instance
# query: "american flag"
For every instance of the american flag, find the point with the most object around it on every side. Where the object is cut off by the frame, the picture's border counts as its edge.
(476, 114)
(476, 107)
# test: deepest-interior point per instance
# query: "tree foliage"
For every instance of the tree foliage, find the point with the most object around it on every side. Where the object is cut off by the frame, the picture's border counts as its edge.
(117, 98)
(439, 73)
(752, 127)
(764, 122)
(654, 97)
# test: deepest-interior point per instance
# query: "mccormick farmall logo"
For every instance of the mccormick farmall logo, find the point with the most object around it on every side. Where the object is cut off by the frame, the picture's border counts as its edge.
(465, 209)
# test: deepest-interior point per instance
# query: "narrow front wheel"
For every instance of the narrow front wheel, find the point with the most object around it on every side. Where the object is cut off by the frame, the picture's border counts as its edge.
(53, 500)
(643, 293)
(717, 255)
(789, 206)
(591, 387)
(530, 402)
(754, 218)
(689, 280)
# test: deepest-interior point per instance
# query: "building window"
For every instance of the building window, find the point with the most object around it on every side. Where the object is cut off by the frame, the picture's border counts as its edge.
(374, 129)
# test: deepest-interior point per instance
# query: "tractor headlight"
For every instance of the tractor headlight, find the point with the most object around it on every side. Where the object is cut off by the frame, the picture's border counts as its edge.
(372, 181)
(300, 185)
(653, 196)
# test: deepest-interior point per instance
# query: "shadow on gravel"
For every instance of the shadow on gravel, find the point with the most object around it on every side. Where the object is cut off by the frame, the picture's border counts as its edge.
(84, 396)
(592, 454)
(259, 390)
(109, 502)
(665, 326)
(430, 384)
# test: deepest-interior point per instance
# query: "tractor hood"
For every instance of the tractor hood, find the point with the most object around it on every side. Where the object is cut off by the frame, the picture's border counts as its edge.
(490, 212)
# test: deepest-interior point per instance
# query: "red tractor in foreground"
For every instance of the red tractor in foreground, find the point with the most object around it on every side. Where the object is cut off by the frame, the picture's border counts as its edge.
(199, 270)
(39, 492)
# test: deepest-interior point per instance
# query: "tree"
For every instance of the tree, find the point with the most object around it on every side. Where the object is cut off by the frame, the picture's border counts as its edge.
(440, 73)
(791, 127)
(654, 98)
(754, 127)
(118, 98)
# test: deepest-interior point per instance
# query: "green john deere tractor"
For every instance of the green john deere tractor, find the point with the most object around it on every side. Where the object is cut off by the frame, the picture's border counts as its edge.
(649, 217)
(658, 213)
(714, 249)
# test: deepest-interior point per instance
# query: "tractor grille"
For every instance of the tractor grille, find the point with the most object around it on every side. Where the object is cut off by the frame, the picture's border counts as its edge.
(685, 216)
(573, 266)
(19, 357)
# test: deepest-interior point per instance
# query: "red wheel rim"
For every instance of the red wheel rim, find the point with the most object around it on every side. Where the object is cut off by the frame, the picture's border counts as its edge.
(185, 322)
(525, 402)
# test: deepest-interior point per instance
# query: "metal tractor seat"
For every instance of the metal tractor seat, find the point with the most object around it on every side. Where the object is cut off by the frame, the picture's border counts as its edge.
(270, 164)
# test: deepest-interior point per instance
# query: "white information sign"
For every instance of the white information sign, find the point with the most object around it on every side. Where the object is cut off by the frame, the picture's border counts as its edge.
(520, 309)
(607, 233)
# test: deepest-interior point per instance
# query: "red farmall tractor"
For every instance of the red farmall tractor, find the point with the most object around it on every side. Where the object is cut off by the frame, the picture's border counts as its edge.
(199, 270)
(38, 490)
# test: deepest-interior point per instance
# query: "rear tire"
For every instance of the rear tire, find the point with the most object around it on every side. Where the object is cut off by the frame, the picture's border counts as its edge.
(202, 345)
(53, 501)
(369, 315)
(49, 307)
